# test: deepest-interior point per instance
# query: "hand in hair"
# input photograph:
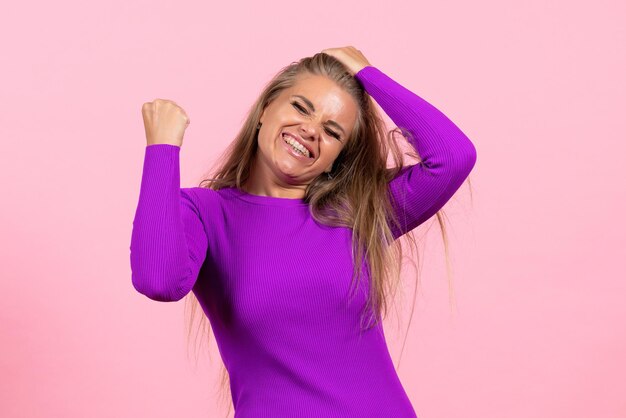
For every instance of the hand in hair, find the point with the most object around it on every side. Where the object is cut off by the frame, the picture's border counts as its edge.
(165, 122)
(350, 57)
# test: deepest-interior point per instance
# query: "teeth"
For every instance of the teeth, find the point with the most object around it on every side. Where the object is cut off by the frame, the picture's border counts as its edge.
(296, 145)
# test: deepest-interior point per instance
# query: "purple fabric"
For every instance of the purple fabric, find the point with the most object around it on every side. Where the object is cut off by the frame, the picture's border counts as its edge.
(274, 283)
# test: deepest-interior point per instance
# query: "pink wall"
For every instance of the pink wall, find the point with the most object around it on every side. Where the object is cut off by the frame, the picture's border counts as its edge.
(537, 329)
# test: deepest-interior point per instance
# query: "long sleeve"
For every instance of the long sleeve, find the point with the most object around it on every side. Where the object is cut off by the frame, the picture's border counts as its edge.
(168, 241)
(447, 154)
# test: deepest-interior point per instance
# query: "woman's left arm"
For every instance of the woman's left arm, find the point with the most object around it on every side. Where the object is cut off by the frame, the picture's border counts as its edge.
(447, 154)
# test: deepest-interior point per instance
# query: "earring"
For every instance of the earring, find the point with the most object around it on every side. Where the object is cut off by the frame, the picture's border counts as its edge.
(258, 126)
(329, 176)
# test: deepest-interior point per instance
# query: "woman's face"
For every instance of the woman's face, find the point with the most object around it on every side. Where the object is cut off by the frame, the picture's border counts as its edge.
(315, 112)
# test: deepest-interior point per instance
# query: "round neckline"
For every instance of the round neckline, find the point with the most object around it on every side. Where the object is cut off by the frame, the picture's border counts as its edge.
(267, 200)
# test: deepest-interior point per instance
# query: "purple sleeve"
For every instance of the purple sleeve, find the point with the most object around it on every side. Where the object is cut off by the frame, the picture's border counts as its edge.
(447, 154)
(168, 241)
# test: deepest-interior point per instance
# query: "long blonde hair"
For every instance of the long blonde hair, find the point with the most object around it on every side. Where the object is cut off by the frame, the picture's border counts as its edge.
(356, 195)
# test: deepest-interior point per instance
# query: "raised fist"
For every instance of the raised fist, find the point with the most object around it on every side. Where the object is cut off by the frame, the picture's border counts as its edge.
(165, 122)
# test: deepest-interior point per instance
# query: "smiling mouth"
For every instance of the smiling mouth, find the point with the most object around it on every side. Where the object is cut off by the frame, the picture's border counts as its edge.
(296, 146)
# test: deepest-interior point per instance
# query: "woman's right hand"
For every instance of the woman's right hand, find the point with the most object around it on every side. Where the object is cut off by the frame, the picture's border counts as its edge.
(165, 122)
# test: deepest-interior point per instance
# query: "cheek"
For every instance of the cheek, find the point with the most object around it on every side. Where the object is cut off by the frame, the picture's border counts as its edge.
(269, 144)
(331, 148)
(279, 117)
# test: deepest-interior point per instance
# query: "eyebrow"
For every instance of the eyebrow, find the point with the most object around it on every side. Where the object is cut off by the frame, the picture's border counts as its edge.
(310, 106)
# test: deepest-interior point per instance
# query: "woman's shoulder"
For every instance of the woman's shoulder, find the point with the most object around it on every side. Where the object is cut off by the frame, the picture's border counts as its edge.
(206, 197)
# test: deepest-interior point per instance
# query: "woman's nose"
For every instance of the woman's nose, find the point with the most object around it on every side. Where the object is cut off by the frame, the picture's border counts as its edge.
(308, 130)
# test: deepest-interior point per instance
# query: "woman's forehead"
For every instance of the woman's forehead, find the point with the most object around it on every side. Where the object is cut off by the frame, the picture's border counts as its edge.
(322, 94)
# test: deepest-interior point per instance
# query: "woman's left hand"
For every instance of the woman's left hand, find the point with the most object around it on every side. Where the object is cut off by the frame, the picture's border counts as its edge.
(350, 57)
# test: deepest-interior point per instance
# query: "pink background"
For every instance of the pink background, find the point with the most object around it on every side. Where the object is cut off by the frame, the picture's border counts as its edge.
(538, 325)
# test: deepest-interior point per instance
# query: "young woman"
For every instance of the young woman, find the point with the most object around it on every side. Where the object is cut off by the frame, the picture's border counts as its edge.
(291, 248)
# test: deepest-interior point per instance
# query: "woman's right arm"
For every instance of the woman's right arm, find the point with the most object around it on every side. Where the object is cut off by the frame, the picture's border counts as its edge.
(169, 242)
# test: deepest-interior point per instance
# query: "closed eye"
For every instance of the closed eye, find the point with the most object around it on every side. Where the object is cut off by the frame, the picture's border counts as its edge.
(303, 111)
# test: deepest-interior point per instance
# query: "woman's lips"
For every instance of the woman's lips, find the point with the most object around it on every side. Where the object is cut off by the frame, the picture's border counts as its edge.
(298, 140)
(293, 152)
